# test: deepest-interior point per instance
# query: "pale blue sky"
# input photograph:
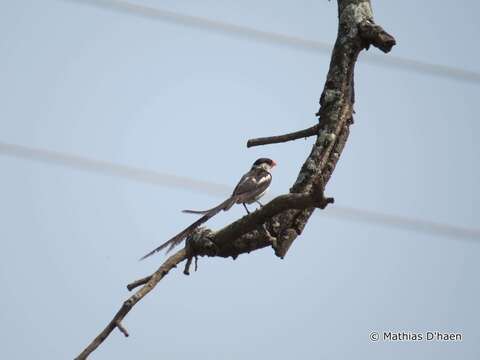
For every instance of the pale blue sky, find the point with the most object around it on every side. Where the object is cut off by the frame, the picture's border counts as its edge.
(115, 87)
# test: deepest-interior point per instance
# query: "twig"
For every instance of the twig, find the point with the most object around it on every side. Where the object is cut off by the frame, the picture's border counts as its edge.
(186, 271)
(158, 275)
(375, 35)
(139, 282)
(122, 329)
(311, 131)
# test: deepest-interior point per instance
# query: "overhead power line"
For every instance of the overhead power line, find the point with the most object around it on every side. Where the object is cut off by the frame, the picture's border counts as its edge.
(278, 38)
(219, 190)
(112, 169)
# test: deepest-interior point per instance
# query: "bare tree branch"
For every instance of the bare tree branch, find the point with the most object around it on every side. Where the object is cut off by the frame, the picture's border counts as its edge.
(311, 131)
(138, 283)
(158, 275)
(122, 328)
(375, 35)
(282, 220)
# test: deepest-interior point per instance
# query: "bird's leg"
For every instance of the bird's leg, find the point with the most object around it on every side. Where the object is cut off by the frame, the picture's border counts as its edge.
(259, 203)
(245, 206)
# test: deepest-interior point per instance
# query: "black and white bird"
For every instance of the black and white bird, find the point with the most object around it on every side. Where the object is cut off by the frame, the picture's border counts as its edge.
(251, 187)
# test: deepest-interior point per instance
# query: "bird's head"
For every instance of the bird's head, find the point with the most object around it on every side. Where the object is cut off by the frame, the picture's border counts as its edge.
(264, 163)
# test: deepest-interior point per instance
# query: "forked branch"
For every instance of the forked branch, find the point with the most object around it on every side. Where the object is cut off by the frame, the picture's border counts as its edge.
(282, 220)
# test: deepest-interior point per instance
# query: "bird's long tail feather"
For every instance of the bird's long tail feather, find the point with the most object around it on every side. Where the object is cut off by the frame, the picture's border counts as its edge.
(227, 204)
(186, 211)
(177, 239)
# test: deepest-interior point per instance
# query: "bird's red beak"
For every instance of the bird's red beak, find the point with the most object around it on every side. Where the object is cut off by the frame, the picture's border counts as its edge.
(274, 163)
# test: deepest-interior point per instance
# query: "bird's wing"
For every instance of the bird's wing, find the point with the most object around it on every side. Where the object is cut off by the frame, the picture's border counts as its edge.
(255, 181)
